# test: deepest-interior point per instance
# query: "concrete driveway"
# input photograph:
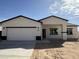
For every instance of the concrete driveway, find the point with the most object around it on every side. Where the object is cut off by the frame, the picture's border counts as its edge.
(16, 49)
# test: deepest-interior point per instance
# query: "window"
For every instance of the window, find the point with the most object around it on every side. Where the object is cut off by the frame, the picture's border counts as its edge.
(3, 28)
(53, 31)
(69, 31)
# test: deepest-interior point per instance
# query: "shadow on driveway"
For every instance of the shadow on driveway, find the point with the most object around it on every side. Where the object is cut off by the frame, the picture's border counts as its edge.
(49, 44)
(17, 44)
(43, 44)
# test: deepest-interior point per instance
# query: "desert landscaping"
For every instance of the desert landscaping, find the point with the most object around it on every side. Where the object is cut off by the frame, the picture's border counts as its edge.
(56, 50)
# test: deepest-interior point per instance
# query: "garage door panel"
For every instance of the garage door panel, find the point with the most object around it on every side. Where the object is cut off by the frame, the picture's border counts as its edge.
(21, 33)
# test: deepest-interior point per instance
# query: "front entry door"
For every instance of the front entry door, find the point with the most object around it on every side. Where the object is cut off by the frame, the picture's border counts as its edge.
(44, 33)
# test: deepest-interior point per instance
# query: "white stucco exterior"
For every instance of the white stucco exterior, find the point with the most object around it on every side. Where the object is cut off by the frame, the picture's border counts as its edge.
(47, 27)
(74, 31)
(61, 24)
(30, 33)
(22, 22)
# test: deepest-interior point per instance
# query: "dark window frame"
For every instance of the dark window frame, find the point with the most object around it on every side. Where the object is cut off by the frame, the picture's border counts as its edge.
(69, 31)
(53, 31)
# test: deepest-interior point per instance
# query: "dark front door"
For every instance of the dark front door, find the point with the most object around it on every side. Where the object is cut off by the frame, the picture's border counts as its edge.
(44, 33)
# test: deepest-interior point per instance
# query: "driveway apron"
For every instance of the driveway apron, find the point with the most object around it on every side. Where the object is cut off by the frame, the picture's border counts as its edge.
(16, 49)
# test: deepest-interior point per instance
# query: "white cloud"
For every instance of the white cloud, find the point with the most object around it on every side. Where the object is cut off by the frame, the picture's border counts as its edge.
(69, 6)
(54, 7)
(76, 12)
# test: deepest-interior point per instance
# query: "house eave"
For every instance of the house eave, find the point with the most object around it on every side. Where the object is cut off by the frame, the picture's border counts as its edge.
(17, 17)
(52, 16)
(72, 25)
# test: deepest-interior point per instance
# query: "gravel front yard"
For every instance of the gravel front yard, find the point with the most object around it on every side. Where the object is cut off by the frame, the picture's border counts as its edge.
(56, 50)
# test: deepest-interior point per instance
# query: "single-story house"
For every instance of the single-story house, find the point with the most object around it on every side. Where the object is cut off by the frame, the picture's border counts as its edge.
(25, 28)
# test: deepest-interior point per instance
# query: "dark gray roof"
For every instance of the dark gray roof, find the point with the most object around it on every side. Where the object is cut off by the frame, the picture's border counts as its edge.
(17, 17)
(53, 16)
(32, 19)
(71, 25)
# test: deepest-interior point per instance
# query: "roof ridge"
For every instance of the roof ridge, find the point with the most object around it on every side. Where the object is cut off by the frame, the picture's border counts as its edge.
(17, 17)
(53, 16)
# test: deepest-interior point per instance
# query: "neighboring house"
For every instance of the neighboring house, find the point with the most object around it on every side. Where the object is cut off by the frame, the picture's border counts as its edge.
(24, 28)
(0, 30)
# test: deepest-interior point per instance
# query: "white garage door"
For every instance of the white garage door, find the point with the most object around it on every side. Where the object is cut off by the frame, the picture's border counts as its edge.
(21, 33)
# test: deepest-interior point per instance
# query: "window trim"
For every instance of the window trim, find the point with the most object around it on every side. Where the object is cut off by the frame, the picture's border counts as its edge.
(53, 33)
(69, 30)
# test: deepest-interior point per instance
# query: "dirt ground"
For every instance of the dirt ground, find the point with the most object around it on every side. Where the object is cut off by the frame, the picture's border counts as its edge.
(56, 50)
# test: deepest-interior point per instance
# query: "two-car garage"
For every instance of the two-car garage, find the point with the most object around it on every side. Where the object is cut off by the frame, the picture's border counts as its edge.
(21, 28)
(21, 33)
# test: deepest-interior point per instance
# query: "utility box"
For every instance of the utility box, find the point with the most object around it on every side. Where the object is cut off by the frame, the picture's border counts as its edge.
(38, 37)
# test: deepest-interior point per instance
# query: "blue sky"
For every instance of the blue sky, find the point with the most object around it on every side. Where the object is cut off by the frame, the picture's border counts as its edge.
(37, 9)
(32, 8)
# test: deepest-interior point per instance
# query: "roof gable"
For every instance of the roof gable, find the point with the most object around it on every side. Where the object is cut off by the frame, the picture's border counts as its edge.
(71, 25)
(53, 16)
(18, 17)
(33, 19)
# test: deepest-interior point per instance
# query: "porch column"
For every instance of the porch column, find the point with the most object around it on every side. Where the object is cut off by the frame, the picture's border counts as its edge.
(64, 27)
